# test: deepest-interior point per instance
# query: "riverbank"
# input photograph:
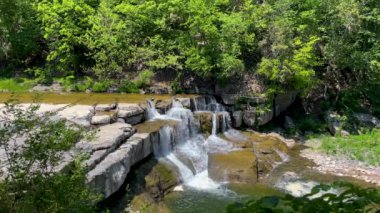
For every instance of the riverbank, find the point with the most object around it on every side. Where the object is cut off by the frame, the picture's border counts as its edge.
(339, 165)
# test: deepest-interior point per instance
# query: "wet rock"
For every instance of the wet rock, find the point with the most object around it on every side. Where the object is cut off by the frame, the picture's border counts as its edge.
(163, 106)
(205, 121)
(235, 167)
(290, 143)
(101, 119)
(367, 120)
(160, 180)
(238, 118)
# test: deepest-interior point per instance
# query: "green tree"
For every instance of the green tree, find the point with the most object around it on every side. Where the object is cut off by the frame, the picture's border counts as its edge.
(19, 35)
(64, 24)
(33, 145)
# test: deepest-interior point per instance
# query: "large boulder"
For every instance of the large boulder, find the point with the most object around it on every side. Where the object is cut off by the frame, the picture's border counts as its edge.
(238, 118)
(367, 120)
(235, 167)
(253, 117)
(249, 117)
(334, 123)
(264, 116)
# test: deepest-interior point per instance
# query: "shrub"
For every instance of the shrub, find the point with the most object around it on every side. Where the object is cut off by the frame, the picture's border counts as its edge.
(82, 86)
(128, 86)
(101, 86)
(144, 79)
(32, 183)
(16, 84)
(176, 87)
(42, 75)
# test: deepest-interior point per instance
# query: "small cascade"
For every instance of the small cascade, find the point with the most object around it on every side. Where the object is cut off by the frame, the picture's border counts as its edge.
(187, 127)
(214, 124)
(151, 110)
(186, 141)
(165, 150)
(226, 120)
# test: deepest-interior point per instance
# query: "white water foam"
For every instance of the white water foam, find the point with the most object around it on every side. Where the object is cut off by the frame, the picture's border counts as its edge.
(190, 144)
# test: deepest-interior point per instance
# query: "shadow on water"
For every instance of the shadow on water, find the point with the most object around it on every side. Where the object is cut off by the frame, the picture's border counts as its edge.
(133, 186)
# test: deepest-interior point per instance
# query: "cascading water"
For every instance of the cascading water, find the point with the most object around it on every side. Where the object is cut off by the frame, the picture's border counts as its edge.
(190, 144)
(184, 141)
(151, 110)
(213, 132)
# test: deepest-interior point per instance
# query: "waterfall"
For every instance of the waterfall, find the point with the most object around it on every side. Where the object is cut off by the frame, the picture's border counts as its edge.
(165, 150)
(185, 140)
(151, 110)
(214, 125)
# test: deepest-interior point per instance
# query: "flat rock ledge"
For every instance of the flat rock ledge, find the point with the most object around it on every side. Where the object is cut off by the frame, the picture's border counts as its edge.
(116, 148)
(342, 167)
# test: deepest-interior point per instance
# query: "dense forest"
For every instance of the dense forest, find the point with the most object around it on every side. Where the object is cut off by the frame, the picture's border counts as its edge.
(294, 44)
(326, 52)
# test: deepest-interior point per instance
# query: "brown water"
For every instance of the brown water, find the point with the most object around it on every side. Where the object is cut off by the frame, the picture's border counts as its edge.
(83, 98)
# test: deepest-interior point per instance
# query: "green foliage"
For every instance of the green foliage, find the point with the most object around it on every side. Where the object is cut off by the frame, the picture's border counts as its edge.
(294, 44)
(144, 78)
(63, 25)
(101, 86)
(364, 147)
(128, 86)
(19, 35)
(31, 182)
(16, 84)
(350, 199)
(81, 86)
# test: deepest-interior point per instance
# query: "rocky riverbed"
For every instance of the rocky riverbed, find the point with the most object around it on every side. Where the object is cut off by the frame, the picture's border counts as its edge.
(340, 166)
